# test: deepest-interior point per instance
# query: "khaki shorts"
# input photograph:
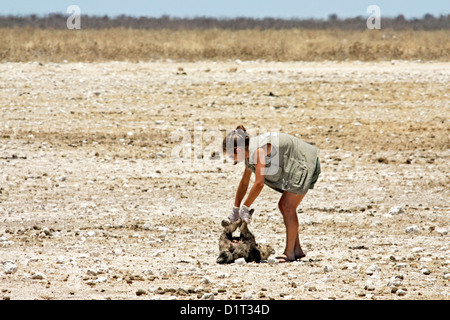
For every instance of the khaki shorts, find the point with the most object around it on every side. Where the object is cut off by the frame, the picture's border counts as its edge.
(316, 174)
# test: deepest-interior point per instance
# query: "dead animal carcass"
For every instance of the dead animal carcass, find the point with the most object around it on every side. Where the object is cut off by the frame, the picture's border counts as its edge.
(244, 246)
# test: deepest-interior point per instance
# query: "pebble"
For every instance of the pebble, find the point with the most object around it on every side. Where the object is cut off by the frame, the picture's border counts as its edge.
(9, 267)
(395, 281)
(100, 280)
(425, 271)
(372, 269)
(240, 261)
(207, 296)
(247, 296)
(412, 229)
(140, 292)
(38, 276)
(396, 210)
(328, 268)
(401, 292)
(310, 286)
(118, 251)
(441, 231)
(206, 280)
(60, 259)
(272, 261)
(5, 242)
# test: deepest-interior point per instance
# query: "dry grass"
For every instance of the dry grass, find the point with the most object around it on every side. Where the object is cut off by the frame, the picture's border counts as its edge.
(27, 44)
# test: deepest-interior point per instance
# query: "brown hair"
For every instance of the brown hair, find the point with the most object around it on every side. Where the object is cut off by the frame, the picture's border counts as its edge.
(236, 138)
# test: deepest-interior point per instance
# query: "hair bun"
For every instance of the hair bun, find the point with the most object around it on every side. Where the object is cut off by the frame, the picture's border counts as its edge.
(241, 127)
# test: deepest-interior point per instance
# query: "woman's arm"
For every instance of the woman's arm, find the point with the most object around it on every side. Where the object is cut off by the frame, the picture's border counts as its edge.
(243, 186)
(260, 159)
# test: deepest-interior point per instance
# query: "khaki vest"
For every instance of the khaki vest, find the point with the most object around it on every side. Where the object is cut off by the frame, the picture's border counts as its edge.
(290, 165)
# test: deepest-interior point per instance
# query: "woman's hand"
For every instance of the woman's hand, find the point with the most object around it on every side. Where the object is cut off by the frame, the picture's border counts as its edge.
(245, 214)
(234, 216)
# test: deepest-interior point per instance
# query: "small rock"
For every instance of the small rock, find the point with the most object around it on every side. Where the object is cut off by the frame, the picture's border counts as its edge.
(412, 229)
(372, 269)
(9, 267)
(38, 276)
(173, 270)
(441, 231)
(272, 261)
(206, 280)
(396, 210)
(311, 286)
(140, 292)
(91, 272)
(100, 280)
(240, 261)
(401, 292)
(207, 296)
(60, 259)
(369, 287)
(118, 251)
(426, 259)
(425, 271)
(401, 265)
(247, 296)
(395, 281)
(328, 268)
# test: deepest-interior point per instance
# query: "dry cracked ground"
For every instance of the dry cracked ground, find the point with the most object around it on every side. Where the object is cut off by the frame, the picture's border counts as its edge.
(100, 197)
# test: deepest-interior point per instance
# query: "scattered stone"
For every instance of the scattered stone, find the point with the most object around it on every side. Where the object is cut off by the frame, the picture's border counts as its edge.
(60, 259)
(412, 229)
(140, 292)
(91, 234)
(5, 242)
(310, 286)
(206, 280)
(207, 296)
(441, 231)
(173, 270)
(425, 271)
(328, 268)
(247, 296)
(396, 210)
(369, 287)
(401, 292)
(395, 281)
(9, 267)
(100, 280)
(240, 261)
(372, 269)
(401, 265)
(118, 251)
(38, 276)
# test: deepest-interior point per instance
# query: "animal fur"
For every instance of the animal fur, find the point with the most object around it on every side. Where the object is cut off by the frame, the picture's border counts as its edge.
(244, 246)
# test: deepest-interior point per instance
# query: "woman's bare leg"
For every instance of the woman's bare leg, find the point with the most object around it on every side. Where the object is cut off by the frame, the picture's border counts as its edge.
(288, 206)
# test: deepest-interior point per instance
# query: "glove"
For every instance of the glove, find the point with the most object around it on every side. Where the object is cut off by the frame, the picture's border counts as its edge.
(234, 216)
(246, 214)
